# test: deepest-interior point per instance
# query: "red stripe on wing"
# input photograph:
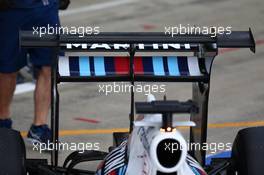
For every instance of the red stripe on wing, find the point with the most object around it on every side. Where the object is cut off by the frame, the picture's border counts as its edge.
(121, 65)
(138, 65)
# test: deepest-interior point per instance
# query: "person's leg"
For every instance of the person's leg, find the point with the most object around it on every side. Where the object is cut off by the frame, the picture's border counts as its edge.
(39, 131)
(11, 60)
(7, 88)
(42, 96)
(42, 58)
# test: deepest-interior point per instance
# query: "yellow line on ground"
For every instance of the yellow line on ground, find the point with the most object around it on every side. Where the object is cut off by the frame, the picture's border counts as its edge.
(237, 124)
(86, 131)
(110, 131)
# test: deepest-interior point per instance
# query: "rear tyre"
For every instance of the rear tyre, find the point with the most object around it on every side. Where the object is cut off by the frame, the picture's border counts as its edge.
(12, 152)
(248, 151)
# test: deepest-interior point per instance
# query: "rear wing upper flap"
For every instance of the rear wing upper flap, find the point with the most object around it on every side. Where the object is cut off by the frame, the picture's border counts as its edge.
(236, 39)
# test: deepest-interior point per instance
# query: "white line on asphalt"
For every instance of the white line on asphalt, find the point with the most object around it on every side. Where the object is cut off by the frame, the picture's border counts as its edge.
(25, 87)
(100, 6)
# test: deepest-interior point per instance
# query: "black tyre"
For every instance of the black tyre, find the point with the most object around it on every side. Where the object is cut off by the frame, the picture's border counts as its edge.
(12, 153)
(248, 151)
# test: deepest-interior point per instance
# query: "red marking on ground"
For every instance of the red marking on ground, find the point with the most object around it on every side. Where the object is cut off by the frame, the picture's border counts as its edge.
(258, 42)
(221, 51)
(87, 120)
(148, 26)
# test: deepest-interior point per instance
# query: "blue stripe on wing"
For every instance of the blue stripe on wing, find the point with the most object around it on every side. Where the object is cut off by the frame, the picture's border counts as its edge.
(183, 66)
(173, 66)
(109, 65)
(84, 64)
(147, 65)
(158, 66)
(74, 66)
(99, 66)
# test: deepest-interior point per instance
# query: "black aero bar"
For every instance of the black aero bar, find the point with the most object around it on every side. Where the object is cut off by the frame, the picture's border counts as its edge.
(237, 39)
(162, 107)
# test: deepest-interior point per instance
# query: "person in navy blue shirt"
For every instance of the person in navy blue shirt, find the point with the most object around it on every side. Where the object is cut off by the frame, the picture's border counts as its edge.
(18, 15)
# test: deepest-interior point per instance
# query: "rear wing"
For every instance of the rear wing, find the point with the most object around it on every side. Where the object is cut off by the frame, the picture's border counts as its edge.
(138, 57)
(88, 67)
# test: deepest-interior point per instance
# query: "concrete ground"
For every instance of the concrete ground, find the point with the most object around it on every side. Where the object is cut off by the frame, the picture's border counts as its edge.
(237, 86)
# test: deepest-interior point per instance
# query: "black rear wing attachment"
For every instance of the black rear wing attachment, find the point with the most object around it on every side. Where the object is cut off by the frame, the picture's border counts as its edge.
(138, 57)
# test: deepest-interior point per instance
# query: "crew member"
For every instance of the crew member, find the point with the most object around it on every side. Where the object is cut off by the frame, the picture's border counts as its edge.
(18, 15)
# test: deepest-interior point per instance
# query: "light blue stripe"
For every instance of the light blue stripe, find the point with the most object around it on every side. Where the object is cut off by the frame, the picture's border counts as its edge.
(124, 170)
(84, 65)
(120, 171)
(173, 66)
(99, 67)
(195, 171)
(158, 66)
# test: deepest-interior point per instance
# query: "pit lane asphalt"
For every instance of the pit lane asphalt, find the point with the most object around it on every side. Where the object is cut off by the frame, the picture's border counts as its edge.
(237, 85)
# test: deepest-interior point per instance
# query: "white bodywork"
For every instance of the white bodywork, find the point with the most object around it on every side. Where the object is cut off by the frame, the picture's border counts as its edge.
(143, 145)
